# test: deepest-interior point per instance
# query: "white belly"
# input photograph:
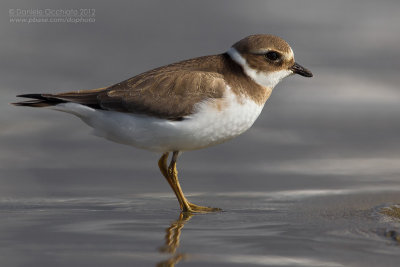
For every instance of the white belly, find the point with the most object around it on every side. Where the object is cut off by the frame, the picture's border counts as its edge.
(213, 123)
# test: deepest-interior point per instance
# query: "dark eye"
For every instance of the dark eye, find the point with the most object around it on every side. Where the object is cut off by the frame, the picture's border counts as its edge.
(272, 55)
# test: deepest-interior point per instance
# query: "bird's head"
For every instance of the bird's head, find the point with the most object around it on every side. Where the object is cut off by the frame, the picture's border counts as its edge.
(266, 59)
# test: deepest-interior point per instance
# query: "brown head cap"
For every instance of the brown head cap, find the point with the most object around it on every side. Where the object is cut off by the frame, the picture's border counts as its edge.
(260, 43)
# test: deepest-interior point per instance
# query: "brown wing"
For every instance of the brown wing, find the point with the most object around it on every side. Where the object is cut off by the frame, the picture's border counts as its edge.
(170, 94)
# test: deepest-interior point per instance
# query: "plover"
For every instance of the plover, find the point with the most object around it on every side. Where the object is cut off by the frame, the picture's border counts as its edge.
(183, 106)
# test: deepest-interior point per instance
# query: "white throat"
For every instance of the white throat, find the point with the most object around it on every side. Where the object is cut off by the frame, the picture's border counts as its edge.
(264, 79)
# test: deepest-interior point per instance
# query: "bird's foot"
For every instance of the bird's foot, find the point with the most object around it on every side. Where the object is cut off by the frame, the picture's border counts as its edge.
(200, 209)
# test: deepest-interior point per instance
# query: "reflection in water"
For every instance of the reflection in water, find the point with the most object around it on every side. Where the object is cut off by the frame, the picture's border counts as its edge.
(172, 239)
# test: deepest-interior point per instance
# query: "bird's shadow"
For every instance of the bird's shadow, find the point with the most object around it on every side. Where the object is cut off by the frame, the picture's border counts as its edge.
(172, 241)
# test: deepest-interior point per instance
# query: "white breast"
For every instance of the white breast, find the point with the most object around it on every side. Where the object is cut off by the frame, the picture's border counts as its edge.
(214, 122)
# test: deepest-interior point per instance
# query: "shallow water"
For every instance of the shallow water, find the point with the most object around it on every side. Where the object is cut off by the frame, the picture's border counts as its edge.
(321, 227)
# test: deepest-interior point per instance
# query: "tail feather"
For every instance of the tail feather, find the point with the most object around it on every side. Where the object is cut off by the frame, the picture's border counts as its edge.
(85, 97)
(33, 96)
(39, 101)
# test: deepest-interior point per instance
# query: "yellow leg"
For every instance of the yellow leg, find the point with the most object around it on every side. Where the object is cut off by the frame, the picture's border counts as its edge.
(162, 164)
(171, 174)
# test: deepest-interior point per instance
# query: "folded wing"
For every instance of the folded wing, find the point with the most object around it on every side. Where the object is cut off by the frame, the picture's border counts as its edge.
(167, 94)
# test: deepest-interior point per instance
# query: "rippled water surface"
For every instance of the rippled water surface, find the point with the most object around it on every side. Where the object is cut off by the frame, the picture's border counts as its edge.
(320, 227)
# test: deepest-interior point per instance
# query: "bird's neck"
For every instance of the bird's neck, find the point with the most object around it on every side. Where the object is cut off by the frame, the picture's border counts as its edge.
(241, 83)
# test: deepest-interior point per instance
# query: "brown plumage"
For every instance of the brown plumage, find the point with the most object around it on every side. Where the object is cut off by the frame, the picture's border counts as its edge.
(168, 92)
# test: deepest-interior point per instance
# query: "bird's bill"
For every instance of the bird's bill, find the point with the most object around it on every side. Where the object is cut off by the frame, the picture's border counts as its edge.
(298, 69)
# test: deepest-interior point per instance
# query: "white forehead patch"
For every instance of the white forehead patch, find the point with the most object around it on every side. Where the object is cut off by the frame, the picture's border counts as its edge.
(291, 54)
(269, 80)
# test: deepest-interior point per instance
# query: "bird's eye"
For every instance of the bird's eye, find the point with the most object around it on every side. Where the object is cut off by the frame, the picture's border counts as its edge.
(272, 55)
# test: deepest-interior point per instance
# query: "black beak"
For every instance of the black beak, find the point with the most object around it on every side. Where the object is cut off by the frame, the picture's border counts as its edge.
(298, 69)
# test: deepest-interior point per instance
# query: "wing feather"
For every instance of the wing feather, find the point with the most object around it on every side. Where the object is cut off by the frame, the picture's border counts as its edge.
(170, 95)
(169, 92)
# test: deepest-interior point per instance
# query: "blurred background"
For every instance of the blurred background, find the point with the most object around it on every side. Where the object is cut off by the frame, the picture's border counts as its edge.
(337, 132)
